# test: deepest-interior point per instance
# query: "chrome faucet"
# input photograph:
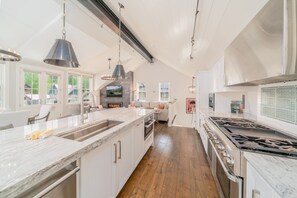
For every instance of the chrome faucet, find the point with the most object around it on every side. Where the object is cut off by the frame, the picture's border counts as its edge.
(82, 113)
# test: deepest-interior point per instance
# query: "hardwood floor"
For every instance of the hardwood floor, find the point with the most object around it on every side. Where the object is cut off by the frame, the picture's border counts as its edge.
(175, 167)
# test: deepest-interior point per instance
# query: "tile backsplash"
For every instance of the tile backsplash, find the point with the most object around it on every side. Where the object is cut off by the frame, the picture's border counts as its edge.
(279, 103)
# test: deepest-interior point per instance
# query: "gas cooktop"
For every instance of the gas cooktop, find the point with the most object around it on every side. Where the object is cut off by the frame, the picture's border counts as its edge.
(249, 135)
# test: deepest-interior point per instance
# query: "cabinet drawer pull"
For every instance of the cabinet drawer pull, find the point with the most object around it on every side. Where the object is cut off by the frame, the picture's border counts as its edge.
(115, 153)
(256, 193)
(120, 146)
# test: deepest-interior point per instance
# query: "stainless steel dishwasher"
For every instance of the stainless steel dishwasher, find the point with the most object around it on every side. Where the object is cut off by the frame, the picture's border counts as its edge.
(60, 185)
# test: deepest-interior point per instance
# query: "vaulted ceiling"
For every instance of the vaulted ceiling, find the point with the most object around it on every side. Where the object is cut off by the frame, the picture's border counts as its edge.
(163, 26)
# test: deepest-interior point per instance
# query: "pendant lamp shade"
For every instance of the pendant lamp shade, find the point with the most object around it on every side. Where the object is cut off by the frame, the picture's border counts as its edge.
(119, 72)
(62, 54)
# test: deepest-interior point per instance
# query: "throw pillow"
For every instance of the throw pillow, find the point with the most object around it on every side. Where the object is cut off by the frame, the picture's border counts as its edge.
(132, 104)
(161, 106)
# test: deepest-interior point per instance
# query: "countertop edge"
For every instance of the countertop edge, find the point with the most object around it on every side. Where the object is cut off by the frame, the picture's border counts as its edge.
(28, 182)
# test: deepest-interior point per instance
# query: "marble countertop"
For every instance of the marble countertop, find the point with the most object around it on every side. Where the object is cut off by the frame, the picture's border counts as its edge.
(24, 163)
(279, 172)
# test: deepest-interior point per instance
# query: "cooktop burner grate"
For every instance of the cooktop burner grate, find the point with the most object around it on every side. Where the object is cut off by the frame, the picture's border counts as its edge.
(249, 135)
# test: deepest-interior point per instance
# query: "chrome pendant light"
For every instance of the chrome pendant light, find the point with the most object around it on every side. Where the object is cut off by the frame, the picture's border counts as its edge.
(119, 72)
(62, 53)
(8, 55)
(107, 77)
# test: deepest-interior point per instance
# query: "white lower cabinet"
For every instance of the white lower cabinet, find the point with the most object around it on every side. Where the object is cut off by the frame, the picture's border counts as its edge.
(138, 142)
(124, 163)
(96, 173)
(256, 186)
(105, 170)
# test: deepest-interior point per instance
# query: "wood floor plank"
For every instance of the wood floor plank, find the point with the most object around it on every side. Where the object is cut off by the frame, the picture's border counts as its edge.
(175, 167)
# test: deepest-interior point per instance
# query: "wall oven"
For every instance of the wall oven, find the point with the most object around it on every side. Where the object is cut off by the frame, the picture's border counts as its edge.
(148, 126)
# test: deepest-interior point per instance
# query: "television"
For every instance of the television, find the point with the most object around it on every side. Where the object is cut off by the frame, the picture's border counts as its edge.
(114, 91)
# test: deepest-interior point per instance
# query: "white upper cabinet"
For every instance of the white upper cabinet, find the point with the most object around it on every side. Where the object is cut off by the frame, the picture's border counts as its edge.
(218, 79)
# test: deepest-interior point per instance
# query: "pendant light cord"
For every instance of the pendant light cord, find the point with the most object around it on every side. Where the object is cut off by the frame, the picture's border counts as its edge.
(64, 15)
(194, 30)
(120, 28)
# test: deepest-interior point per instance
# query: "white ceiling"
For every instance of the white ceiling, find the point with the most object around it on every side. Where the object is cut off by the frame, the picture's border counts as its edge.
(163, 26)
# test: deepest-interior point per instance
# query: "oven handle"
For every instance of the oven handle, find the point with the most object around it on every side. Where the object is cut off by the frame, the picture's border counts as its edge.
(150, 124)
(206, 128)
(230, 176)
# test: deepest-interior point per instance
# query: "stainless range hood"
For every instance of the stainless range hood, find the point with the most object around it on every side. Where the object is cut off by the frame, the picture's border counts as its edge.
(265, 51)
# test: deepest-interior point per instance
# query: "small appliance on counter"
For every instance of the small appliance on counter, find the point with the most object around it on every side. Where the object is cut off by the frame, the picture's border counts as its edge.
(236, 107)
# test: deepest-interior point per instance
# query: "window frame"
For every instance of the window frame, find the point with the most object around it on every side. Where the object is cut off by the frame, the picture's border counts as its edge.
(138, 91)
(23, 88)
(78, 88)
(57, 94)
(160, 91)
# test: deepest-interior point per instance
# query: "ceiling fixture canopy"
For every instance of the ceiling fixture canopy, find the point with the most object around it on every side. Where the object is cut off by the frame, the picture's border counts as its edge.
(8, 55)
(119, 72)
(107, 77)
(192, 88)
(62, 53)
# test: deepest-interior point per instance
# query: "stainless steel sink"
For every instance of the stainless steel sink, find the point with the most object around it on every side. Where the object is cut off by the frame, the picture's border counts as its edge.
(89, 131)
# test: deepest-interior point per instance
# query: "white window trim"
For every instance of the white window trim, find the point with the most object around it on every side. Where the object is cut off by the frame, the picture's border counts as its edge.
(138, 98)
(79, 87)
(23, 91)
(159, 91)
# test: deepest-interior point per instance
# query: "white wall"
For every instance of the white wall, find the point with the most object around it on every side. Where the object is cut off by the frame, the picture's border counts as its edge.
(223, 100)
(153, 73)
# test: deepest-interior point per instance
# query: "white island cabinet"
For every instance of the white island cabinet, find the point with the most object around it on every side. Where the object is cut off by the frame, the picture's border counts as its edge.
(138, 140)
(105, 170)
(256, 186)
(96, 169)
(124, 165)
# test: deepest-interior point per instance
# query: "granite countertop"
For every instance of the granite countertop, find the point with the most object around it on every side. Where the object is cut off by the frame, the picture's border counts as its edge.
(279, 172)
(24, 163)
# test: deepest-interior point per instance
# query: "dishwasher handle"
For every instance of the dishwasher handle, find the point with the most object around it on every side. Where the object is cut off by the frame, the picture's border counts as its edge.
(56, 183)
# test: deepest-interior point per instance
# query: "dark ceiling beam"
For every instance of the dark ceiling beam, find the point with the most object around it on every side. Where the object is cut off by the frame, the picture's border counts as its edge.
(110, 19)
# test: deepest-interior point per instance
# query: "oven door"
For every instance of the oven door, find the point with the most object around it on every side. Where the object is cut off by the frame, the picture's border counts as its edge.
(148, 128)
(230, 185)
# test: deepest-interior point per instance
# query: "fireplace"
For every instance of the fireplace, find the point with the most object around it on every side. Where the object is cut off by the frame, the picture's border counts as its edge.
(114, 105)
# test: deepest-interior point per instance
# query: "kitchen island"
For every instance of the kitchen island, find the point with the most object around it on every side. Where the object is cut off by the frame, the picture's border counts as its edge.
(24, 163)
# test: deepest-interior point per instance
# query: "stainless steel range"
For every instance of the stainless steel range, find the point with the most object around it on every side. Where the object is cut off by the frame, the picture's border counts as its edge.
(248, 135)
(229, 137)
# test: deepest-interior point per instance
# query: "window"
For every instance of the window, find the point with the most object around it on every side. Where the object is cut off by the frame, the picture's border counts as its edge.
(31, 88)
(164, 91)
(52, 89)
(141, 89)
(72, 89)
(86, 87)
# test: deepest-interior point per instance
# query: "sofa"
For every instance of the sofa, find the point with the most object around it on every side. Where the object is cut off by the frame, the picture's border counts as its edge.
(163, 107)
